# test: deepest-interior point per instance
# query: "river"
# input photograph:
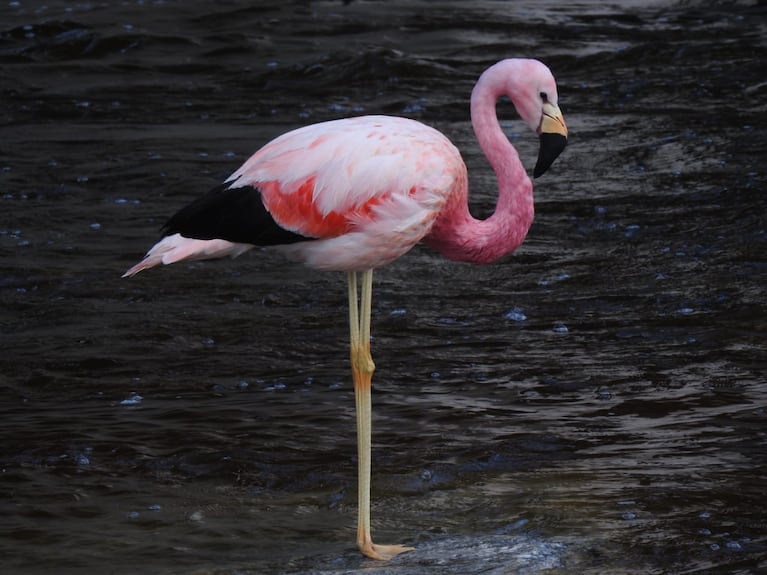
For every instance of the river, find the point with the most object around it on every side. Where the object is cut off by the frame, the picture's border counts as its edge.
(594, 403)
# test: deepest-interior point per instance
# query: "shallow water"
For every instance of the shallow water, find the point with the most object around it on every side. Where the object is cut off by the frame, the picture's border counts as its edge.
(595, 403)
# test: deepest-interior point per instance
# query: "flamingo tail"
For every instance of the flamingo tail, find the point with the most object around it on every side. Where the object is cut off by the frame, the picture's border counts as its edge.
(176, 248)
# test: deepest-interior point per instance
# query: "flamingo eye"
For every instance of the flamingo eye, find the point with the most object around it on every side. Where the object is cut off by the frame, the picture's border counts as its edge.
(544, 96)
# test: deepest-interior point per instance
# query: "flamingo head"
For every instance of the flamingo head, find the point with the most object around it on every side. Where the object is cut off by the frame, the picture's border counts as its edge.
(533, 90)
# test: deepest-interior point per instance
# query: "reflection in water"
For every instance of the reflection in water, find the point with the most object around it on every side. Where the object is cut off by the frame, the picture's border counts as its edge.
(593, 404)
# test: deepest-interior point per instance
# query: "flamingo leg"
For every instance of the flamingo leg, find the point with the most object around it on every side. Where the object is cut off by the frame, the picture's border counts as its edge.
(362, 373)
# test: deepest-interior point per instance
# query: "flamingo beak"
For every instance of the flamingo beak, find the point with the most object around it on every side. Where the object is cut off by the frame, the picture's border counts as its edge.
(552, 136)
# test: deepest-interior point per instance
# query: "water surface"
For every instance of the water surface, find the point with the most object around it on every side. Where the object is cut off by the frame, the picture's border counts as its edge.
(595, 403)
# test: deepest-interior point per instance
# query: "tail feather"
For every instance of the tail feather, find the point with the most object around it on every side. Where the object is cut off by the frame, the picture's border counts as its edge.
(176, 248)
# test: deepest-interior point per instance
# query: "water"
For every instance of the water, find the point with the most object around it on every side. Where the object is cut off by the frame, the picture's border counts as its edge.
(595, 403)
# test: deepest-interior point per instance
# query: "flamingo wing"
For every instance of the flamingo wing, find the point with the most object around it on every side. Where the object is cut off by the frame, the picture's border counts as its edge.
(331, 178)
(235, 214)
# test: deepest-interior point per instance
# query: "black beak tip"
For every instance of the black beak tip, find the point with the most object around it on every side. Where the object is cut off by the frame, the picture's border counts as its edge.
(551, 145)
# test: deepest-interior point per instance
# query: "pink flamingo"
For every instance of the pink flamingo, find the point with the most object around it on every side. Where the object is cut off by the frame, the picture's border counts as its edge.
(354, 194)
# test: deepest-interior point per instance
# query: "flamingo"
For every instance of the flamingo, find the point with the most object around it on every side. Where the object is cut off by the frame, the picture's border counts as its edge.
(354, 194)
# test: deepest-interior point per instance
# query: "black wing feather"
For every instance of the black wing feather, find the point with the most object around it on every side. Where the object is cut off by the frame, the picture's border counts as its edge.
(233, 214)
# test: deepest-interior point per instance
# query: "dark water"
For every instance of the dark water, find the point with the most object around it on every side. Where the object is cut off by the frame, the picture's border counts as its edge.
(593, 404)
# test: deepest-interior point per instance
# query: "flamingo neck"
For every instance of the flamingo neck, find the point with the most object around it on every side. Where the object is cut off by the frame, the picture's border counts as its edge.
(456, 233)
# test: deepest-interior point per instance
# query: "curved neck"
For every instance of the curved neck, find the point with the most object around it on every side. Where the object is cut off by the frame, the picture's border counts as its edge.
(458, 235)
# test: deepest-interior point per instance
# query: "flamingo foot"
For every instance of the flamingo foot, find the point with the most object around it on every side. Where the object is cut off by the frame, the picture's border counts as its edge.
(383, 552)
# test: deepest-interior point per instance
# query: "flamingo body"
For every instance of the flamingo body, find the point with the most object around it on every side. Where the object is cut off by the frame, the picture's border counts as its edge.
(354, 194)
(344, 195)
(367, 188)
